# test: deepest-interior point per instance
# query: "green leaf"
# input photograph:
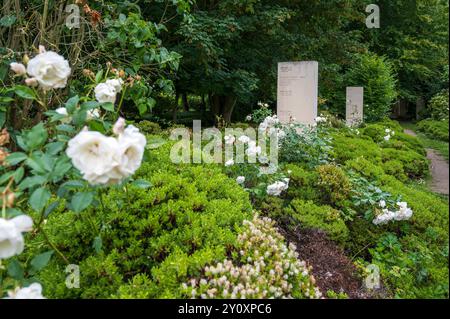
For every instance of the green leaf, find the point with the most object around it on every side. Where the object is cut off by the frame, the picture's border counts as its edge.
(8, 21)
(18, 175)
(5, 177)
(72, 103)
(108, 106)
(25, 92)
(32, 181)
(15, 269)
(40, 261)
(16, 158)
(97, 244)
(89, 105)
(81, 201)
(99, 76)
(155, 142)
(55, 147)
(142, 184)
(36, 137)
(51, 208)
(39, 199)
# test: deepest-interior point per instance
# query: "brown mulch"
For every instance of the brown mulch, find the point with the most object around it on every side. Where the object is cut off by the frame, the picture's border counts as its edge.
(332, 269)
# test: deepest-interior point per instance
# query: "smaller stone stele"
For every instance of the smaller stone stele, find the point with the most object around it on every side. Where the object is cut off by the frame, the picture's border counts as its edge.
(354, 106)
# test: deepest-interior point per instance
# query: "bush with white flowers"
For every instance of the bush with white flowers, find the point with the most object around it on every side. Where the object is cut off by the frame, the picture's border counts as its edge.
(43, 171)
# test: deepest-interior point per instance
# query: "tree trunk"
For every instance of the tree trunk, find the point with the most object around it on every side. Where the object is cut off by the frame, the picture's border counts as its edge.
(185, 102)
(223, 106)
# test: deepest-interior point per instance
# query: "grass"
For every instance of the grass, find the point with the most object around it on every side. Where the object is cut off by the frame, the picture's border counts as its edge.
(440, 146)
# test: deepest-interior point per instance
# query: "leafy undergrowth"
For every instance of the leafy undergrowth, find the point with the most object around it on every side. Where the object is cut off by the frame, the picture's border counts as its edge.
(194, 232)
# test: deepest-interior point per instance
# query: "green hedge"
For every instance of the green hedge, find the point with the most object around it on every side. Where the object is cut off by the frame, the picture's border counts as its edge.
(434, 129)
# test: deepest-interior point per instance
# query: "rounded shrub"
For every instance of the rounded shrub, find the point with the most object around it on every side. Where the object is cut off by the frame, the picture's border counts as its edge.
(333, 185)
(306, 214)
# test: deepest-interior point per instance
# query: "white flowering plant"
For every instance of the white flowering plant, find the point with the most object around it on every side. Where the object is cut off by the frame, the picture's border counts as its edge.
(65, 160)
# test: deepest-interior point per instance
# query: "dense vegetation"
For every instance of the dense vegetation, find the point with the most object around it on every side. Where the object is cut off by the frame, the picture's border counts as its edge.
(87, 176)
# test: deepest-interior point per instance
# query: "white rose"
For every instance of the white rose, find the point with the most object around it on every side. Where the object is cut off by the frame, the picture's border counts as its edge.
(34, 291)
(240, 179)
(50, 70)
(248, 118)
(229, 139)
(18, 68)
(92, 114)
(116, 84)
(382, 203)
(244, 139)
(131, 150)
(387, 138)
(11, 239)
(94, 155)
(229, 163)
(105, 93)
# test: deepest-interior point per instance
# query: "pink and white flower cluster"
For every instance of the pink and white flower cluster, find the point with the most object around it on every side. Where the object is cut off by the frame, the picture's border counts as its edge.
(268, 269)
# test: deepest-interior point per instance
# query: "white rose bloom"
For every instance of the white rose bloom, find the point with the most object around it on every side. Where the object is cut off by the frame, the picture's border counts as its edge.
(105, 93)
(387, 130)
(93, 114)
(229, 139)
(240, 179)
(63, 111)
(34, 291)
(229, 163)
(11, 239)
(50, 70)
(248, 118)
(387, 138)
(252, 149)
(244, 139)
(131, 150)
(18, 68)
(276, 188)
(94, 155)
(116, 84)
(382, 203)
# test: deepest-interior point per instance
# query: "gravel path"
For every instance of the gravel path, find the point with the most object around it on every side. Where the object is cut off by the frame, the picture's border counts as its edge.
(439, 169)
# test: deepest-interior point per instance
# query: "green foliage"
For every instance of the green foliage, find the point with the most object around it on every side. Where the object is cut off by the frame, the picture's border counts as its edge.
(188, 219)
(376, 75)
(414, 165)
(148, 127)
(311, 146)
(434, 129)
(333, 185)
(307, 214)
(438, 106)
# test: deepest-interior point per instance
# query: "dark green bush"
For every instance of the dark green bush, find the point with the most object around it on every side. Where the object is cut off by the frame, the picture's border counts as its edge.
(308, 215)
(302, 183)
(376, 75)
(333, 185)
(347, 148)
(414, 165)
(148, 127)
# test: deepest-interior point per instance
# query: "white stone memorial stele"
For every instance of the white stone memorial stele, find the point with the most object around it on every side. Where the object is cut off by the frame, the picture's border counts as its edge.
(354, 106)
(297, 91)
